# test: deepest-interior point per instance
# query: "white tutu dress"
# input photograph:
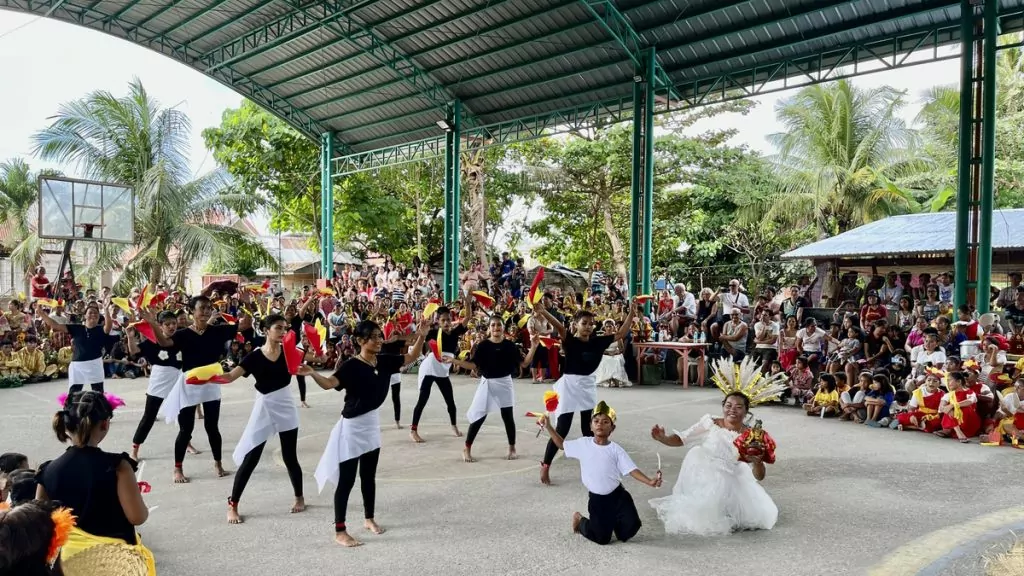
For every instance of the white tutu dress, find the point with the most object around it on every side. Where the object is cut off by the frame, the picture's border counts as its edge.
(612, 368)
(715, 493)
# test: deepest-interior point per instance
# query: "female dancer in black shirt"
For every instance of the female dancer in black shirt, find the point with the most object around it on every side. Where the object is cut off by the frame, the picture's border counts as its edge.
(433, 370)
(577, 388)
(88, 341)
(274, 411)
(354, 444)
(201, 344)
(166, 372)
(496, 360)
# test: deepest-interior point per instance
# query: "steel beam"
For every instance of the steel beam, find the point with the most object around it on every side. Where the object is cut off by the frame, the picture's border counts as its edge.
(988, 155)
(452, 203)
(642, 186)
(961, 257)
(622, 31)
(326, 205)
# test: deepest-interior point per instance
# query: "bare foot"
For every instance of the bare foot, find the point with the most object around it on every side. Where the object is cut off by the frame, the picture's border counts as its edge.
(299, 505)
(511, 453)
(192, 449)
(576, 519)
(415, 437)
(455, 430)
(466, 456)
(345, 540)
(233, 517)
(398, 425)
(544, 477)
(372, 526)
(304, 405)
(179, 476)
(199, 413)
(219, 469)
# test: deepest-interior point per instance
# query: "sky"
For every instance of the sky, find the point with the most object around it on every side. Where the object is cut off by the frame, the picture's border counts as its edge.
(44, 63)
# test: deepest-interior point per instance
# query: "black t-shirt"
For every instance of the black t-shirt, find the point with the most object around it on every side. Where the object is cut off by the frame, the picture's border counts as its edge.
(366, 387)
(497, 360)
(296, 324)
(156, 355)
(449, 341)
(85, 480)
(874, 346)
(203, 349)
(271, 376)
(1014, 314)
(87, 343)
(396, 347)
(582, 358)
(250, 335)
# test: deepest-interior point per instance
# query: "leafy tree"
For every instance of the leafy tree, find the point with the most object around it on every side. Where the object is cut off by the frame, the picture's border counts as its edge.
(19, 191)
(133, 140)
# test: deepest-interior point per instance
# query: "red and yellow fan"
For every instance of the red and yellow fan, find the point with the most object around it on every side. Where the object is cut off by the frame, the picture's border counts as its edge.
(209, 374)
(292, 354)
(228, 318)
(643, 298)
(483, 298)
(548, 342)
(432, 305)
(143, 327)
(435, 345)
(315, 343)
(550, 406)
(535, 294)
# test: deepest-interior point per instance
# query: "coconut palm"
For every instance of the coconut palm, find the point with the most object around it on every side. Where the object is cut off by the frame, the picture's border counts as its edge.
(178, 220)
(841, 147)
(19, 191)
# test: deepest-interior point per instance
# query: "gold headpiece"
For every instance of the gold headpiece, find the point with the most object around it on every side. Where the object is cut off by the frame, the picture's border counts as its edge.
(603, 408)
(748, 380)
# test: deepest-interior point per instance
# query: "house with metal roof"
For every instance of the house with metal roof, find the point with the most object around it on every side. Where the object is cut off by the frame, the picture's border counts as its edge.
(916, 243)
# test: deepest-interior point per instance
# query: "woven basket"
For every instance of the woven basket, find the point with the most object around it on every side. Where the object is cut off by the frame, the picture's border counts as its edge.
(106, 560)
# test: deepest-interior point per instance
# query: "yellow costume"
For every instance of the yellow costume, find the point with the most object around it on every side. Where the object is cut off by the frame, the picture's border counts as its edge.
(86, 555)
(9, 364)
(64, 360)
(32, 363)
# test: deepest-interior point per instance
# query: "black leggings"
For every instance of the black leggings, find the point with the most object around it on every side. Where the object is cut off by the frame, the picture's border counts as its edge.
(289, 440)
(148, 418)
(302, 387)
(187, 423)
(397, 400)
(506, 417)
(445, 386)
(367, 467)
(78, 387)
(562, 426)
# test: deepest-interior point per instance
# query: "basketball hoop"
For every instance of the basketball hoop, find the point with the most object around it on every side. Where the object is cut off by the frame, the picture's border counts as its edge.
(88, 228)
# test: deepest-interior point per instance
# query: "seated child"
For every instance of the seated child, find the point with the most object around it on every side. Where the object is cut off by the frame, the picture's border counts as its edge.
(602, 463)
(801, 382)
(826, 400)
(32, 363)
(878, 399)
(901, 405)
(852, 402)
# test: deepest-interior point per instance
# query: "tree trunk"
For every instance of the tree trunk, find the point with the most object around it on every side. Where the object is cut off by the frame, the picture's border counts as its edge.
(473, 168)
(618, 257)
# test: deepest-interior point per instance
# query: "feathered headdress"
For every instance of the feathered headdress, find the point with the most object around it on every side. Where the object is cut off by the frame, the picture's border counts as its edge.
(603, 408)
(63, 522)
(748, 380)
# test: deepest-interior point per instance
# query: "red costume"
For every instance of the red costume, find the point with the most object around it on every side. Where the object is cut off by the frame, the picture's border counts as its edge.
(927, 411)
(969, 422)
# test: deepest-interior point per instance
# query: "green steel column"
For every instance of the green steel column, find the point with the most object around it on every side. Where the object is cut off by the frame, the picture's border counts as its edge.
(326, 205)
(963, 191)
(636, 191)
(452, 203)
(988, 155)
(648, 201)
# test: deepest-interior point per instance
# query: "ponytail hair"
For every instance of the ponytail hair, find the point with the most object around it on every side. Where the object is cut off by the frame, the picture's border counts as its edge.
(82, 413)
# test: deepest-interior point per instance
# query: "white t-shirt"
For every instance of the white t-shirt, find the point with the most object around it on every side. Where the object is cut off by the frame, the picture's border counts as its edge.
(811, 342)
(601, 467)
(1011, 403)
(773, 331)
(730, 301)
(688, 302)
(919, 356)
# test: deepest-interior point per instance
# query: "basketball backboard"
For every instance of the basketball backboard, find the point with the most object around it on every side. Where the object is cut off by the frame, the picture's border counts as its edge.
(72, 209)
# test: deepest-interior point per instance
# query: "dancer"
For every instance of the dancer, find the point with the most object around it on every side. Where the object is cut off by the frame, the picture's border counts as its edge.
(88, 341)
(396, 344)
(354, 444)
(433, 370)
(295, 318)
(717, 491)
(577, 388)
(166, 372)
(602, 463)
(200, 344)
(496, 360)
(923, 413)
(273, 411)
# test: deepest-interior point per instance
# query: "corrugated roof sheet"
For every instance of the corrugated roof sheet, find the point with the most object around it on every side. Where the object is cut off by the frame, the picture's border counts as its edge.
(381, 73)
(912, 234)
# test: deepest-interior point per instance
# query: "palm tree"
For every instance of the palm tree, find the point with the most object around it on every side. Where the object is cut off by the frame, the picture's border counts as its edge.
(19, 191)
(842, 147)
(178, 220)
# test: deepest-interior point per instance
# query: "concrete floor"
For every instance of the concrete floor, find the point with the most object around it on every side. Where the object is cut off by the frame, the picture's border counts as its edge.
(850, 497)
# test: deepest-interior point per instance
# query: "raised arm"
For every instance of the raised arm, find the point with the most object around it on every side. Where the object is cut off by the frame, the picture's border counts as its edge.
(529, 355)
(158, 331)
(53, 324)
(658, 433)
(541, 309)
(413, 352)
(108, 319)
(555, 436)
(627, 324)
(325, 382)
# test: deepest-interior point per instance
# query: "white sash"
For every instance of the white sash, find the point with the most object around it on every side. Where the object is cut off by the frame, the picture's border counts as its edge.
(576, 393)
(271, 414)
(396, 378)
(85, 372)
(184, 396)
(162, 380)
(492, 394)
(350, 438)
(433, 367)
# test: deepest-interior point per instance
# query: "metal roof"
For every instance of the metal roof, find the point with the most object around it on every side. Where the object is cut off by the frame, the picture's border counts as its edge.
(380, 74)
(912, 234)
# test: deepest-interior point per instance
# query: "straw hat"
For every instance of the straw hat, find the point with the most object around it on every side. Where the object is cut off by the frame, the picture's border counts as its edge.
(106, 560)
